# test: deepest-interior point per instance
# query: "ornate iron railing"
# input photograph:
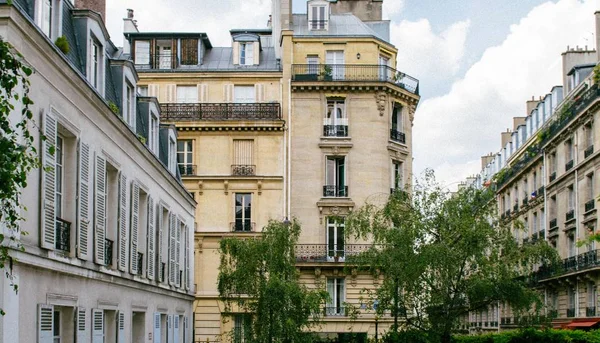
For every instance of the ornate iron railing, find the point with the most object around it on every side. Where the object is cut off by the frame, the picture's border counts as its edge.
(525, 201)
(327, 253)
(553, 223)
(187, 169)
(397, 136)
(584, 261)
(590, 205)
(335, 191)
(163, 61)
(243, 170)
(108, 252)
(552, 176)
(588, 151)
(570, 215)
(569, 165)
(242, 226)
(335, 130)
(220, 111)
(63, 235)
(338, 311)
(540, 191)
(354, 72)
(317, 24)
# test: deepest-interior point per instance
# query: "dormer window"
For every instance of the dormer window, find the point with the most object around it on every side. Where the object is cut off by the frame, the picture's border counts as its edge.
(49, 19)
(95, 55)
(247, 53)
(318, 15)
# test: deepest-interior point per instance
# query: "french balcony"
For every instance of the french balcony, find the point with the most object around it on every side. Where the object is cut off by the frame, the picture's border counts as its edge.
(590, 205)
(516, 208)
(108, 252)
(553, 223)
(569, 165)
(584, 261)
(397, 136)
(187, 169)
(140, 263)
(335, 311)
(590, 311)
(540, 191)
(570, 312)
(327, 253)
(570, 215)
(589, 151)
(220, 111)
(63, 235)
(552, 176)
(243, 226)
(243, 170)
(335, 191)
(525, 201)
(160, 61)
(335, 130)
(353, 73)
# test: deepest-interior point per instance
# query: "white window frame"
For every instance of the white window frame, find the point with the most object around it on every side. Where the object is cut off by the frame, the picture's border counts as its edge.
(96, 64)
(142, 90)
(335, 302)
(129, 105)
(56, 325)
(247, 53)
(318, 16)
(244, 219)
(59, 174)
(153, 132)
(143, 59)
(397, 170)
(188, 153)
(335, 228)
(246, 99)
(172, 154)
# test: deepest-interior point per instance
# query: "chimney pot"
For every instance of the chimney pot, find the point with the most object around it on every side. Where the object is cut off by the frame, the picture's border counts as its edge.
(129, 13)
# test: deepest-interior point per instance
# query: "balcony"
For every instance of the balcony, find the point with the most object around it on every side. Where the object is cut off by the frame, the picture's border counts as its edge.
(590, 205)
(108, 252)
(570, 312)
(585, 261)
(516, 208)
(552, 176)
(570, 215)
(335, 311)
(220, 111)
(589, 151)
(353, 73)
(140, 263)
(397, 136)
(187, 169)
(243, 170)
(335, 191)
(335, 130)
(326, 253)
(161, 61)
(590, 311)
(569, 165)
(63, 235)
(540, 191)
(242, 226)
(525, 201)
(553, 223)
(507, 213)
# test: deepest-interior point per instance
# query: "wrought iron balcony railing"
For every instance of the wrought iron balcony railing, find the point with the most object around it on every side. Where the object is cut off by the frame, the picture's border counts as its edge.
(140, 263)
(317, 24)
(588, 151)
(242, 226)
(540, 191)
(570, 312)
(553, 223)
(590, 311)
(552, 176)
(335, 130)
(590, 205)
(398, 136)
(108, 252)
(243, 170)
(569, 165)
(187, 169)
(164, 61)
(581, 262)
(337, 311)
(327, 253)
(63, 235)
(525, 201)
(516, 208)
(354, 72)
(570, 215)
(335, 191)
(220, 111)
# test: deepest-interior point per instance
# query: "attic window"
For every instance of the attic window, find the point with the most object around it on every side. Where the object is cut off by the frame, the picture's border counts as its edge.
(318, 16)
(247, 53)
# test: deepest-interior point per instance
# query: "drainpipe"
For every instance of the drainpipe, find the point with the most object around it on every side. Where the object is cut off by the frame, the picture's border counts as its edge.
(283, 155)
(576, 188)
(544, 183)
(289, 157)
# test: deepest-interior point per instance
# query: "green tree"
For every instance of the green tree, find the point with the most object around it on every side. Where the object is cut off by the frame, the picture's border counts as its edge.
(443, 255)
(258, 276)
(18, 155)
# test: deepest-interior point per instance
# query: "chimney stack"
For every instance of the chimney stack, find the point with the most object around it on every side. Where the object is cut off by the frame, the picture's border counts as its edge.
(597, 14)
(94, 5)
(129, 25)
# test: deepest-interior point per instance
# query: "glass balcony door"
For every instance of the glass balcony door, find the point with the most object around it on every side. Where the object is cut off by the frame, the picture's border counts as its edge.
(335, 240)
(336, 177)
(165, 56)
(335, 61)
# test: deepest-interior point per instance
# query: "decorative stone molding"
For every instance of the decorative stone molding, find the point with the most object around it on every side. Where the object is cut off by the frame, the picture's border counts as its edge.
(334, 207)
(200, 188)
(259, 187)
(381, 99)
(226, 187)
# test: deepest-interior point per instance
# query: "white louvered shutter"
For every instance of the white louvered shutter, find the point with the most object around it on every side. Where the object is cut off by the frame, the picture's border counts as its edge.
(156, 326)
(171, 249)
(243, 150)
(161, 255)
(151, 234)
(97, 326)
(121, 327)
(203, 93)
(83, 215)
(123, 239)
(186, 258)
(153, 90)
(259, 90)
(176, 329)
(185, 329)
(48, 222)
(100, 232)
(228, 93)
(135, 219)
(169, 328)
(256, 53)
(45, 324)
(171, 93)
(82, 333)
(178, 253)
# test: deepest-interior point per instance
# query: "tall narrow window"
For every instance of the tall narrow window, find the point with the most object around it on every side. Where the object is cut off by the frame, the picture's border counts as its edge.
(591, 300)
(172, 155)
(384, 70)
(571, 198)
(397, 129)
(335, 240)
(590, 186)
(534, 226)
(142, 52)
(243, 159)
(317, 17)
(247, 53)
(337, 293)
(129, 109)
(335, 178)
(241, 328)
(571, 245)
(571, 298)
(47, 17)
(335, 69)
(336, 122)
(313, 64)
(59, 173)
(95, 56)
(397, 175)
(569, 152)
(153, 133)
(185, 157)
(56, 327)
(243, 212)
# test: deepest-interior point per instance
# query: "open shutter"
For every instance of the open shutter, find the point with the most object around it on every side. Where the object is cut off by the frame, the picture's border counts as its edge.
(100, 194)
(171, 248)
(156, 325)
(123, 222)
(171, 95)
(228, 93)
(151, 238)
(256, 53)
(176, 328)
(203, 93)
(159, 225)
(135, 219)
(186, 258)
(82, 333)
(178, 253)
(236, 53)
(48, 222)
(97, 326)
(121, 327)
(45, 323)
(83, 215)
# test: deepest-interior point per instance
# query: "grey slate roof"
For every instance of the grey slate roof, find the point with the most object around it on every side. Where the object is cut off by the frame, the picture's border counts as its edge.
(221, 59)
(342, 25)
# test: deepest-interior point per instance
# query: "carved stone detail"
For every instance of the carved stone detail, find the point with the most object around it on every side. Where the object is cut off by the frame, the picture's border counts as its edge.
(381, 99)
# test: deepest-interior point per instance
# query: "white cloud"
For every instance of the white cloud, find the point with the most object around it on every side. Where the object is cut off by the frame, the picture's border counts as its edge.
(392, 8)
(466, 122)
(215, 17)
(424, 53)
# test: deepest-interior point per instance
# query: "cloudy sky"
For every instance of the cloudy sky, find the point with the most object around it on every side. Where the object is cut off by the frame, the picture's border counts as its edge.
(478, 60)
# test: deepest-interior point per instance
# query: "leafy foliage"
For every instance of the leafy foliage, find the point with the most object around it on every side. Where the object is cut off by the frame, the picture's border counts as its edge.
(443, 255)
(63, 44)
(258, 276)
(19, 155)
